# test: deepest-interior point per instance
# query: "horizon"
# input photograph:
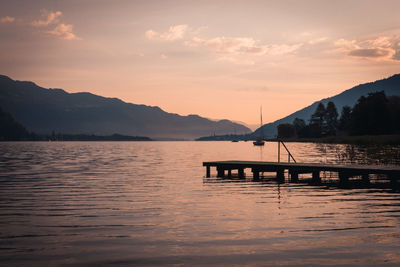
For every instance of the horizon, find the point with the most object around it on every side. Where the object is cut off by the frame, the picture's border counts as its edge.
(252, 127)
(202, 58)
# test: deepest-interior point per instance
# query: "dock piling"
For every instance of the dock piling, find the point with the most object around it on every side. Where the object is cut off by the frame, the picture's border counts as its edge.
(365, 178)
(294, 169)
(316, 177)
(220, 172)
(256, 174)
(343, 177)
(208, 172)
(294, 176)
(280, 175)
(241, 172)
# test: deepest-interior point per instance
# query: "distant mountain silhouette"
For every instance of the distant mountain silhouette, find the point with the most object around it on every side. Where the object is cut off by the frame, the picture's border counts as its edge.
(46, 110)
(10, 130)
(391, 86)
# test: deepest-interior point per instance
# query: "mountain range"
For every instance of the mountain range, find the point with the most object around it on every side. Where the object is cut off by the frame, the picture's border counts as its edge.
(54, 110)
(391, 86)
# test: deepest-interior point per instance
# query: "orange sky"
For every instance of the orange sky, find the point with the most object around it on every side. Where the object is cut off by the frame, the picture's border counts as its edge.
(218, 59)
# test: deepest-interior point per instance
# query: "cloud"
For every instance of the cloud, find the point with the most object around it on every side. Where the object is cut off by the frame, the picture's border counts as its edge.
(60, 30)
(150, 34)
(384, 48)
(236, 60)
(317, 40)
(241, 45)
(176, 32)
(236, 50)
(63, 31)
(7, 19)
(48, 18)
(371, 52)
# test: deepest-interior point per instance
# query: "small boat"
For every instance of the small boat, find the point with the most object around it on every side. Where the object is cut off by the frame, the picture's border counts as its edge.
(260, 141)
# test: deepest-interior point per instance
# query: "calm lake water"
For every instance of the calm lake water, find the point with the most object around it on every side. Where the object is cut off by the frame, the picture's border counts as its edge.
(148, 203)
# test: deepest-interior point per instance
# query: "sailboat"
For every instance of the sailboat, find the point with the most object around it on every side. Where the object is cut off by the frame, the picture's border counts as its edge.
(260, 141)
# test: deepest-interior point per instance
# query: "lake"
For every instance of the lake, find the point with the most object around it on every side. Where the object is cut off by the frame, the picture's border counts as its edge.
(149, 204)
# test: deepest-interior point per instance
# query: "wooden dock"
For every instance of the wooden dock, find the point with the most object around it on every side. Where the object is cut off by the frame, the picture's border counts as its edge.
(225, 168)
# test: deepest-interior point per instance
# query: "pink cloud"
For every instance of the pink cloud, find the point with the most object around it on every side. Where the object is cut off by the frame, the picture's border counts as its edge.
(150, 34)
(63, 31)
(7, 19)
(241, 45)
(48, 18)
(176, 32)
(385, 48)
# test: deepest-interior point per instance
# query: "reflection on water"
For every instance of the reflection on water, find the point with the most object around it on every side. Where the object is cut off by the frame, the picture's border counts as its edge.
(373, 154)
(149, 204)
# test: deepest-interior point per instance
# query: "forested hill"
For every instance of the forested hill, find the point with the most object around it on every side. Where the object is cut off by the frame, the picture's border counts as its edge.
(391, 86)
(46, 110)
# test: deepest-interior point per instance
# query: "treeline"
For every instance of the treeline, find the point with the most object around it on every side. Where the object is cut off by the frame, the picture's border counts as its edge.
(11, 130)
(375, 114)
(226, 137)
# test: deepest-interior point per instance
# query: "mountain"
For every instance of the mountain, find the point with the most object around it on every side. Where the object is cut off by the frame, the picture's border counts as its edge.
(10, 130)
(46, 110)
(390, 85)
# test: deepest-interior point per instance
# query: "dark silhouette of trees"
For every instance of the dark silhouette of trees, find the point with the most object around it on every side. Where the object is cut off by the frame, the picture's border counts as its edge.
(299, 125)
(317, 126)
(286, 130)
(394, 107)
(331, 118)
(374, 114)
(319, 115)
(345, 119)
(10, 130)
(371, 115)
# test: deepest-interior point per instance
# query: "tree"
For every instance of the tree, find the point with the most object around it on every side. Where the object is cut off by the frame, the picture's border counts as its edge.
(371, 115)
(286, 130)
(331, 116)
(318, 120)
(299, 125)
(394, 107)
(345, 119)
(10, 129)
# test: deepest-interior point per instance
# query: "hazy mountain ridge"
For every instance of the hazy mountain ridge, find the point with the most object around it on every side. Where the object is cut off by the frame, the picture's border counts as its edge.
(349, 97)
(45, 110)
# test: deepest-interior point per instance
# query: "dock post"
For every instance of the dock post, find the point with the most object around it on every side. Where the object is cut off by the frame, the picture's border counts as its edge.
(365, 178)
(220, 172)
(316, 177)
(294, 176)
(280, 175)
(393, 181)
(241, 173)
(208, 172)
(256, 174)
(343, 177)
(279, 151)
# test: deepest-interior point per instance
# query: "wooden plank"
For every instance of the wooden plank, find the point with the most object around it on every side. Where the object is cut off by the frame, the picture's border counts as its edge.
(351, 169)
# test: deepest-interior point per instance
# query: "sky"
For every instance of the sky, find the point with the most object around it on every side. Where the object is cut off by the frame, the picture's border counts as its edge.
(217, 59)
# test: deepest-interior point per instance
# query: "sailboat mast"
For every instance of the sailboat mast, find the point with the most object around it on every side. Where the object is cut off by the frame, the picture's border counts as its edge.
(262, 132)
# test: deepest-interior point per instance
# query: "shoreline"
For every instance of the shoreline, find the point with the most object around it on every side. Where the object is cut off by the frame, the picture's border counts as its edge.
(353, 140)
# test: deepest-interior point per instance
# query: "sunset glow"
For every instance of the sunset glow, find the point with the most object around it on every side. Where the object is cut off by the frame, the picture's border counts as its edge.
(217, 59)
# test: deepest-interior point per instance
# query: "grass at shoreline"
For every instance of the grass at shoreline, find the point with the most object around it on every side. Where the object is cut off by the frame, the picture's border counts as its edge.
(356, 140)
